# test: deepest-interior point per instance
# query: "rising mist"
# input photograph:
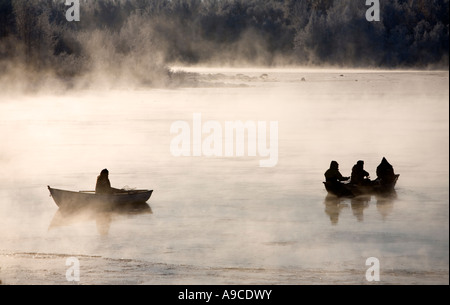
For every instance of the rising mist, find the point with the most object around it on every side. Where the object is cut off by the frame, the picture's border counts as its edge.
(132, 42)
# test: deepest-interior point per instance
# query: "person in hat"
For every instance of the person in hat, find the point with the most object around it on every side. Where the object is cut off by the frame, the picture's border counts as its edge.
(103, 185)
(385, 172)
(359, 176)
(333, 175)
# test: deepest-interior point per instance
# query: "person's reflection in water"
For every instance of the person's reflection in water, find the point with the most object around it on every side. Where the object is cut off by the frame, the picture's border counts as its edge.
(359, 204)
(333, 208)
(103, 220)
(385, 204)
(103, 223)
(334, 205)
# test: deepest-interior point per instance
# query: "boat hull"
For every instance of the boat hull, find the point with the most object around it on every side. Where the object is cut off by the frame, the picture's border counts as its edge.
(70, 200)
(352, 190)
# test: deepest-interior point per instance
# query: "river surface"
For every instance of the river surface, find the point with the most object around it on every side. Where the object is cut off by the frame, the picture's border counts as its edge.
(224, 219)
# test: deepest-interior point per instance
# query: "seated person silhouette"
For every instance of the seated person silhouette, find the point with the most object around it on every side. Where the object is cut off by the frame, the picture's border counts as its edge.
(103, 185)
(385, 172)
(333, 175)
(359, 176)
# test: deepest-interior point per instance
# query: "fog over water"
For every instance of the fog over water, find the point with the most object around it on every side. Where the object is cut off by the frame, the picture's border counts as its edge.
(226, 219)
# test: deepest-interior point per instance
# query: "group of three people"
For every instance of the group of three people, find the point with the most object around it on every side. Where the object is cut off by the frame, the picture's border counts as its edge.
(385, 173)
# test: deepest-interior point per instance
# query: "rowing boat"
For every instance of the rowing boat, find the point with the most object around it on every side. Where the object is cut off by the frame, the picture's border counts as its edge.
(76, 200)
(353, 190)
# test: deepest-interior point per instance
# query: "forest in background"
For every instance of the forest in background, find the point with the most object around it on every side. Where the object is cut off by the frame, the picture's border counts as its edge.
(136, 40)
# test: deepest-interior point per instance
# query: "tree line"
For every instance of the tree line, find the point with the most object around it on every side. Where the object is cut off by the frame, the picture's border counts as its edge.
(139, 38)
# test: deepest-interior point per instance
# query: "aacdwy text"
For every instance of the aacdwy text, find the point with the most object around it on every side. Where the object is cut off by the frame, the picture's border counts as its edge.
(225, 295)
(246, 294)
(221, 141)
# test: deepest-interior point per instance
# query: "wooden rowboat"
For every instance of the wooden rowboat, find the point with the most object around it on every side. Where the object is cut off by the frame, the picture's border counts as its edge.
(353, 190)
(70, 200)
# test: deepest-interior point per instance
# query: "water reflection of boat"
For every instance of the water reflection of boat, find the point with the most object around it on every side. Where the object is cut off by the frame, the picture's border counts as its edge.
(359, 204)
(103, 219)
(352, 190)
(385, 203)
(69, 200)
(334, 205)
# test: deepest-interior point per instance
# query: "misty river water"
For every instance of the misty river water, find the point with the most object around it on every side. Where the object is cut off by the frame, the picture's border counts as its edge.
(226, 220)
